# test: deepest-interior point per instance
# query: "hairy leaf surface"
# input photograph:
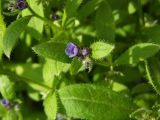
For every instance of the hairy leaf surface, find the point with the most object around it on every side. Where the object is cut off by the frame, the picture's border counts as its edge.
(95, 102)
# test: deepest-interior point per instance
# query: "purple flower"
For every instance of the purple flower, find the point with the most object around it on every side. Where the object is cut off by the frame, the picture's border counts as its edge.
(71, 50)
(6, 103)
(21, 4)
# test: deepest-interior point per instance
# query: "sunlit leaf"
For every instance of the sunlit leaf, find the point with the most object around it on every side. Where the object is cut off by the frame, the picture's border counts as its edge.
(137, 53)
(35, 25)
(53, 68)
(101, 49)
(7, 87)
(50, 105)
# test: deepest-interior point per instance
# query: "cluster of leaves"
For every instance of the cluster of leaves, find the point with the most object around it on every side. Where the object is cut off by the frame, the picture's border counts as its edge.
(41, 82)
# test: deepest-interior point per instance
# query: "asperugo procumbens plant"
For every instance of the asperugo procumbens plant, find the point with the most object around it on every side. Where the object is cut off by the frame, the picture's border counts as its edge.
(79, 59)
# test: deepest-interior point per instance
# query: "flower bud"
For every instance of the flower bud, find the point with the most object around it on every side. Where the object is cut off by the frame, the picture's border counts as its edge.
(21, 4)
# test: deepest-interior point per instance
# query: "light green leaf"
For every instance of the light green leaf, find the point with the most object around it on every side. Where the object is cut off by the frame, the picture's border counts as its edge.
(12, 33)
(2, 110)
(2, 31)
(75, 66)
(153, 73)
(95, 103)
(131, 8)
(88, 8)
(137, 53)
(104, 22)
(53, 68)
(11, 115)
(35, 25)
(50, 105)
(53, 50)
(7, 87)
(101, 49)
(31, 74)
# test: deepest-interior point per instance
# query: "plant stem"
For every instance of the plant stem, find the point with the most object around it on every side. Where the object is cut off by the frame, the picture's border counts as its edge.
(42, 18)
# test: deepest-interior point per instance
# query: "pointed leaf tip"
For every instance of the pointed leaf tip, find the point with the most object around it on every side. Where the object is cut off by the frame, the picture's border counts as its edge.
(12, 33)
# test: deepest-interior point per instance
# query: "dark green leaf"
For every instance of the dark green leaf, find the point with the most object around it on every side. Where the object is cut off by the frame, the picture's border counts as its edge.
(88, 8)
(53, 50)
(12, 33)
(75, 66)
(152, 34)
(71, 7)
(95, 103)
(104, 22)
(120, 5)
(138, 53)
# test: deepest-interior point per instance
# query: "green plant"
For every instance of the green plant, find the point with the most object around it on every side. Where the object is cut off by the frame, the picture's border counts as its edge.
(79, 59)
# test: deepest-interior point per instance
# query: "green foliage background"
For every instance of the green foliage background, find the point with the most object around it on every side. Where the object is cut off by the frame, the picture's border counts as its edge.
(118, 80)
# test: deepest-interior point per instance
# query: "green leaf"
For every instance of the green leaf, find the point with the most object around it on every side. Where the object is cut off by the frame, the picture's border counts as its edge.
(53, 68)
(152, 34)
(137, 53)
(104, 22)
(95, 103)
(35, 25)
(50, 105)
(7, 87)
(153, 73)
(71, 7)
(88, 8)
(53, 50)
(12, 33)
(2, 110)
(31, 74)
(2, 31)
(101, 49)
(11, 115)
(119, 5)
(75, 66)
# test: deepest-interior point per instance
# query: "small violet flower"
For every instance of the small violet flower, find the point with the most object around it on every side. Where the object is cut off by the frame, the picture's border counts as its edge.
(55, 17)
(71, 50)
(21, 4)
(6, 103)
